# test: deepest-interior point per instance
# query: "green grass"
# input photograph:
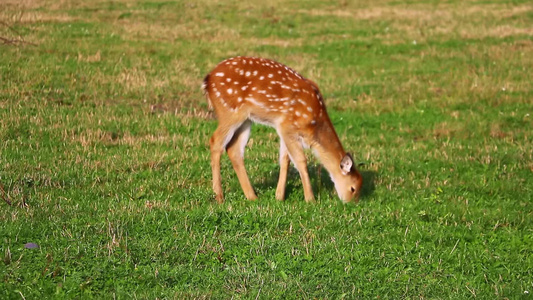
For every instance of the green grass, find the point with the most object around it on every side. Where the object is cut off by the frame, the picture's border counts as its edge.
(104, 156)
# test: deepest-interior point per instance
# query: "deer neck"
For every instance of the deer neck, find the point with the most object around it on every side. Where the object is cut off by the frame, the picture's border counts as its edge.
(328, 148)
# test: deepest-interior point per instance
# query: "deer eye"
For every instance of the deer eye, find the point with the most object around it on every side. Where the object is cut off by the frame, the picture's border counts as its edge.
(353, 189)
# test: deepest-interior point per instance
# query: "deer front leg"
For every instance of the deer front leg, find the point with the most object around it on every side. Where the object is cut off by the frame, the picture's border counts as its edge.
(296, 152)
(284, 162)
(235, 150)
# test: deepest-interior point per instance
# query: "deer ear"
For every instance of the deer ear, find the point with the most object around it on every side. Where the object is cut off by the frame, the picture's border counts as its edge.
(346, 164)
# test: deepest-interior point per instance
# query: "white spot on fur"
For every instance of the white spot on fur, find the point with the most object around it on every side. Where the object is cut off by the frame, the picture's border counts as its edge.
(254, 102)
(219, 74)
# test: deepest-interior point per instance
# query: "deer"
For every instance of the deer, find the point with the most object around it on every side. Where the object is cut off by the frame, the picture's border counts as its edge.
(246, 90)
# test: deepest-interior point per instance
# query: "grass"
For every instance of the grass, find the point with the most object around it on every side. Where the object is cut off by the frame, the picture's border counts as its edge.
(104, 159)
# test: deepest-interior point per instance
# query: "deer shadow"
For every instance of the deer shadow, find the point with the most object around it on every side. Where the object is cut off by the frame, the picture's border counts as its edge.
(320, 180)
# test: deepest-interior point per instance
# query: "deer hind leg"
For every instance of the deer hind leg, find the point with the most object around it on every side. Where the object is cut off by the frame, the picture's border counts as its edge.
(235, 150)
(222, 136)
(297, 155)
(284, 162)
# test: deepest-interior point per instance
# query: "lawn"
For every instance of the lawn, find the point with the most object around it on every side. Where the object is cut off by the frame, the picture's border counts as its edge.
(105, 177)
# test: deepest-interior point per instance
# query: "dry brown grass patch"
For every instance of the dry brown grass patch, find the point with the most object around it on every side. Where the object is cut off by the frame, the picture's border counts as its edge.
(90, 58)
(505, 31)
(133, 79)
(418, 22)
(171, 31)
(422, 12)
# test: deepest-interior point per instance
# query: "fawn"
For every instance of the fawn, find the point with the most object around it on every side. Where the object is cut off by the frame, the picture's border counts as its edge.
(243, 90)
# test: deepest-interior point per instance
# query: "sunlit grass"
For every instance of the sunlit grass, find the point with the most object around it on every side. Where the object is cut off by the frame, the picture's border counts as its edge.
(104, 156)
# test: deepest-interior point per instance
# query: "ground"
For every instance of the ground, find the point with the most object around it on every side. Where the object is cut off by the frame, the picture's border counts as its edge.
(104, 156)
